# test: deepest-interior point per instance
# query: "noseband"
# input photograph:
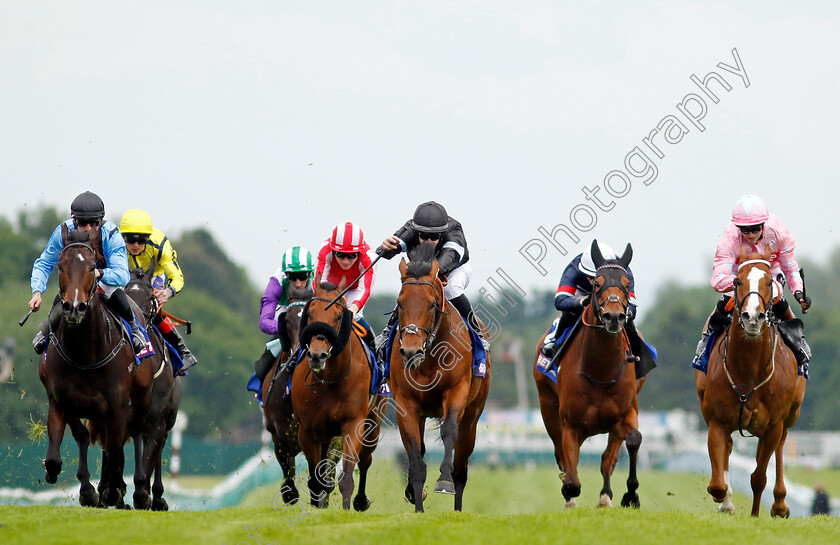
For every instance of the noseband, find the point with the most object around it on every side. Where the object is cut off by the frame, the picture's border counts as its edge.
(767, 306)
(598, 304)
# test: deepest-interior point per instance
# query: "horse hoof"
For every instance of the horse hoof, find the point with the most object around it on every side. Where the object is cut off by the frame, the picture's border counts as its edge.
(159, 504)
(53, 468)
(444, 486)
(361, 503)
(142, 501)
(290, 494)
(409, 494)
(123, 506)
(109, 497)
(89, 498)
(630, 500)
(605, 501)
(570, 504)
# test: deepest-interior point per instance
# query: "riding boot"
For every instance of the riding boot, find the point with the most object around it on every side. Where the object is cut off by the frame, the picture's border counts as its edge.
(547, 349)
(174, 338)
(717, 322)
(263, 365)
(42, 337)
(381, 340)
(462, 304)
(792, 330)
(118, 302)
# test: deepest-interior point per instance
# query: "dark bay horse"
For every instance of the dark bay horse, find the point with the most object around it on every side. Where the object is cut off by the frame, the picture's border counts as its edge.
(331, 397)
(166, 389)
(90, 373)
(431, 377)
(751, 385)
(280, 420)
(596, 386)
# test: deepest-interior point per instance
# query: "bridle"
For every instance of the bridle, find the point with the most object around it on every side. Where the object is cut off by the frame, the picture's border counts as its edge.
(95, 281)
(344, 314)
(155, 306)
(598, 303)
(438, 311)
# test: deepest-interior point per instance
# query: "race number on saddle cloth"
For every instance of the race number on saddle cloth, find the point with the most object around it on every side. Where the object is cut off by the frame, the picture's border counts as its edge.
(646, 352)
(479, 355)
(377, 379)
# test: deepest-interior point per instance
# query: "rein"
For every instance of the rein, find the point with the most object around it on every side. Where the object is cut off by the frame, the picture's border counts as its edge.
(339, 342)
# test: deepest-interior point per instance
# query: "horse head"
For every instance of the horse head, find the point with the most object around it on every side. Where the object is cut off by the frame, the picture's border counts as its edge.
(141, 290)
(610, 288)
(754, 292)
(420, 299)
(324, 332)
(76, 272)
(294, 312)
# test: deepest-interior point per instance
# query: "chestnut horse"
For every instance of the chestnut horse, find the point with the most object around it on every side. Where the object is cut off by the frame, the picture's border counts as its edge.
(751, 385)
(89, 372)
(166, 390)
(431, 377)
(280, 420)
(331, 397)
(596, 386)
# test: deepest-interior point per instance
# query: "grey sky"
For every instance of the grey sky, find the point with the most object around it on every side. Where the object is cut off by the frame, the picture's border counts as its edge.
(270, 122)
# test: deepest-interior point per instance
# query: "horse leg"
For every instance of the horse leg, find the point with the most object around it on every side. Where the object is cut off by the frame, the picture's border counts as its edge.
(115, 485)
(55, 432)
(448, 434)
(726, 506)
(411, 431)
(312, 451)
(717, 450)
(88, 497)
(369, 441)
(351, 448)
(464, 447)
(780, 508)
(152, 453)
(158, 503)
(285, 448)
(550, 410)
(608, 461)
(142, 472)
(766, 446)
(633, 441)
(571, 441)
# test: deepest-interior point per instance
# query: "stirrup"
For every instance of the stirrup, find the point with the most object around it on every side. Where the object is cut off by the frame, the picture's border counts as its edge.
(40, 342)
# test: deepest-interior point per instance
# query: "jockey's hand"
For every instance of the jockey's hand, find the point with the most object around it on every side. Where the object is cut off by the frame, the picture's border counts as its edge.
(444, 280)
(163, 295)
(391, 243)
(583, 301)
(354, 309)
(803, 300)
(35, 302)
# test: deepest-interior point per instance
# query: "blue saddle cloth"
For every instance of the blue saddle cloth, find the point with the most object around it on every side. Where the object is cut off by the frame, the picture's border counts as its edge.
(703, 363)
(648, 360)
(377, 382)
(479, 355)
(146, 352)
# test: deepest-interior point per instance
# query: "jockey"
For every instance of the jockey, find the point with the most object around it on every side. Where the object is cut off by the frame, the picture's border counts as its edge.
(574, 292)
(754, 229)
(86, 213)
(432, 225)
(295, 273)
(344, 256)
(144, 243)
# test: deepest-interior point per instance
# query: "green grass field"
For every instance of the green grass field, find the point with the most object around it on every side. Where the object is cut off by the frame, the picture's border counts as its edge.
(505, 506)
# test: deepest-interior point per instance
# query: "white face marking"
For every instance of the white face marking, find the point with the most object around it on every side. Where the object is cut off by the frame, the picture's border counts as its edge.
(753, 301)
(76, 295)
(81, 257)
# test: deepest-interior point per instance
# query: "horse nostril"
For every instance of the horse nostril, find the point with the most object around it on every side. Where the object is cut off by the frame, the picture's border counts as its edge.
(66, 307)
(81, 307)
(761, 316)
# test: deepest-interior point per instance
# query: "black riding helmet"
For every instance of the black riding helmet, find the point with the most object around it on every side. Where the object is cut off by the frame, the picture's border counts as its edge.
(430, 217)
(87, 206)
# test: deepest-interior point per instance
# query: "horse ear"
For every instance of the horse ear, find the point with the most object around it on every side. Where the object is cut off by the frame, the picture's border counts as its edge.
(627, 256)
(435, 268)
(316, 283)
(597, 257)
(64, 232)
(743, 256)
(403, 267)
(342, 284)
(151, 270)
(767, 253)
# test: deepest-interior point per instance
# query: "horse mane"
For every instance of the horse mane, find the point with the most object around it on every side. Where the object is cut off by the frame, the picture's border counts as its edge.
(78, 235)
(421, 259)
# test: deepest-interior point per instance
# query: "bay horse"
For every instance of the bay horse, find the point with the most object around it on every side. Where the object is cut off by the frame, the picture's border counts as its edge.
(596, 389)
(751, 385)
(89, 372)
(166, 389)
(280, 420)
(331, 397)
(431, 377)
